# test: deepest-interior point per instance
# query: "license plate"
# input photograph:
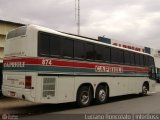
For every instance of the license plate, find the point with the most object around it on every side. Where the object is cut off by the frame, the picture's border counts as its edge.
(12, 93)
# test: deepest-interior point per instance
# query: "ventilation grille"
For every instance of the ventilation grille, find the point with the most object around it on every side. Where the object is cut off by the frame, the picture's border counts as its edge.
(49, 87)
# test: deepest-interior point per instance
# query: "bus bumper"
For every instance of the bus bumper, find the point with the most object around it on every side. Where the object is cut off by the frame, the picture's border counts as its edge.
(19, 93)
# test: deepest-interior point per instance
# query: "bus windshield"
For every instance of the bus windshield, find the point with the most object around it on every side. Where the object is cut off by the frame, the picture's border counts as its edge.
(158, 72)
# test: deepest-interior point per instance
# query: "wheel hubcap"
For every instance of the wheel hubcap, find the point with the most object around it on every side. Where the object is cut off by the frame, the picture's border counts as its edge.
(85, 97)
(102, 95)
(144, 90)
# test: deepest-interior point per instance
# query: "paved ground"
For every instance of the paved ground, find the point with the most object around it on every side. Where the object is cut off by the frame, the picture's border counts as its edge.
(131, 104)
(11, 102)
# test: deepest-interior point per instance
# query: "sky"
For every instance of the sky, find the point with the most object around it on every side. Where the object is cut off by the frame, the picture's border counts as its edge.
(135, 21)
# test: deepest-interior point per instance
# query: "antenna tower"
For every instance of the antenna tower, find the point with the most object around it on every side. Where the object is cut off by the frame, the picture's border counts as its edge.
(77, 15)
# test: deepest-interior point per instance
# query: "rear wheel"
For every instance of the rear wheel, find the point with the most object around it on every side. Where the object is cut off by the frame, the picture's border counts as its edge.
(144, 89)
(101, 94)
(84, 96)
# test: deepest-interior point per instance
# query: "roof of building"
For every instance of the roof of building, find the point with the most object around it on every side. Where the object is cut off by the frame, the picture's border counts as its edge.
(1, 60)
(12, 22)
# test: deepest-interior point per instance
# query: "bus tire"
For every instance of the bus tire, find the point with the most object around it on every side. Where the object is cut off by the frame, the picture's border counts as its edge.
(84, 96)
(144, 89)
(101, 94)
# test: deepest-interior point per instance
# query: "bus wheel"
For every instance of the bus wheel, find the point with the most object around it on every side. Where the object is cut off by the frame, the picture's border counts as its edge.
(101, 94)
(84, 96)
(144, 89)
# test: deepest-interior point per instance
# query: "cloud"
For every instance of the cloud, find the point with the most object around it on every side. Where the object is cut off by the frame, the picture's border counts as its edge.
(134, 21)
(131, 22)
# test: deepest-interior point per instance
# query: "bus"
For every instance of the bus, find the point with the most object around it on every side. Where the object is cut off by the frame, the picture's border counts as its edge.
(47, 66)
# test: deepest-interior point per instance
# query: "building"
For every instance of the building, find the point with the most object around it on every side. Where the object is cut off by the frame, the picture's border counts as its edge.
(154, 52)
(6, 26)
(127, 45)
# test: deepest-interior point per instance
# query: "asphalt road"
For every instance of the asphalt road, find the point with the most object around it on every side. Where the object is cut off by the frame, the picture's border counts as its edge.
(128, 104)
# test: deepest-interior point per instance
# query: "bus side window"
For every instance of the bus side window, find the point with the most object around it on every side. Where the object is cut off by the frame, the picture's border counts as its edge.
(127, 57)
(67, 47)
(137, 59)
(100, 53)
(147, 61)
(89, 51)
(55, 45)
(43, 44)
(79, 50)
(116, 55)
(107, 54)
(132, 58)
(141, 60)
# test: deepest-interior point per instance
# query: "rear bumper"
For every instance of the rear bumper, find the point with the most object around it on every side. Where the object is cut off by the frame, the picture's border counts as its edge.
(25, 94)
(19, 93)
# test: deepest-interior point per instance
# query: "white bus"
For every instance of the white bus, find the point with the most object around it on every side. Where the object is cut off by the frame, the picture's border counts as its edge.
(46, 66)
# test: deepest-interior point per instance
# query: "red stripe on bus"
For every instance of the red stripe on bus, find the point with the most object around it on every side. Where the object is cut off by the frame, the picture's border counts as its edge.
(71, 63)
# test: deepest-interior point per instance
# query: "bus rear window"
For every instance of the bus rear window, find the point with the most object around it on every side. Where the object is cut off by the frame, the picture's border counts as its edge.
(17, 32)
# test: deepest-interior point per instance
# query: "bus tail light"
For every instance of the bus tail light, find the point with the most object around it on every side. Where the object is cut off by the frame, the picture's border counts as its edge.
(28, 82)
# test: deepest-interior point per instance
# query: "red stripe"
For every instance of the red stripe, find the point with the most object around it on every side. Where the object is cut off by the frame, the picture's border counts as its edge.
(71, 63)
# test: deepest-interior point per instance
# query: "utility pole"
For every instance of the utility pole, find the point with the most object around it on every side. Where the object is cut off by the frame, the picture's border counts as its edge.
(77, 15)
